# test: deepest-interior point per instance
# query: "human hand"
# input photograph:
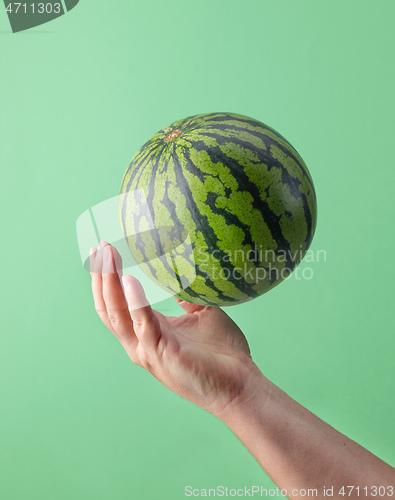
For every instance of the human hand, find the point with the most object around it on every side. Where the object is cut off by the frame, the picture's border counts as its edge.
(202, 355)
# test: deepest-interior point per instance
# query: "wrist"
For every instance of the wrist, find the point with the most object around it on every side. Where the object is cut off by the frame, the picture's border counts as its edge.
(251, 399)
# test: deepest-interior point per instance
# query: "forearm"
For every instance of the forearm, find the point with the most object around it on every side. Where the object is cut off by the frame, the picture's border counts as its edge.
(300, 451)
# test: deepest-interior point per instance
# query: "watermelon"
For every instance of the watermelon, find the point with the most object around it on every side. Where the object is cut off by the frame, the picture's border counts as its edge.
(217, 208)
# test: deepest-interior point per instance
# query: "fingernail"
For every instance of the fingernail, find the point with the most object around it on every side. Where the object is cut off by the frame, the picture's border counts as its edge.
(107, 261)
(106, 254)
(91, 251)
(125, 282)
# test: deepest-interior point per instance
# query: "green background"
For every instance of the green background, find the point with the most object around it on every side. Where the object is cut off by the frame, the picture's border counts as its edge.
(79, 96)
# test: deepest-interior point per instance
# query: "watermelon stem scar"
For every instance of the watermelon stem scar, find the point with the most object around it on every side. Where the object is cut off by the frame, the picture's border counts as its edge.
(173, 135)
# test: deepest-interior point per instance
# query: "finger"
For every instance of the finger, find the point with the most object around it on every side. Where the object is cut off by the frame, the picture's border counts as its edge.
(96, 264)
(96, 258)
(115, 301)
(145, 323)
(92, 254)
(118, 263)
(189, 307)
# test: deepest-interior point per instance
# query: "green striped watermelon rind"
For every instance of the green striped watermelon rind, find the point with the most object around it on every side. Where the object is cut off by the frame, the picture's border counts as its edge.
(230, 184)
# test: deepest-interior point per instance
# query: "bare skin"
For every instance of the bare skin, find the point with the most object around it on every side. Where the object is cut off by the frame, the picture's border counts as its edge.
(204, 357)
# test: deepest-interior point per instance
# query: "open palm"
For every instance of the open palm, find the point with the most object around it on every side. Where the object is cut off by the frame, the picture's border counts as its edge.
(202, 355)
